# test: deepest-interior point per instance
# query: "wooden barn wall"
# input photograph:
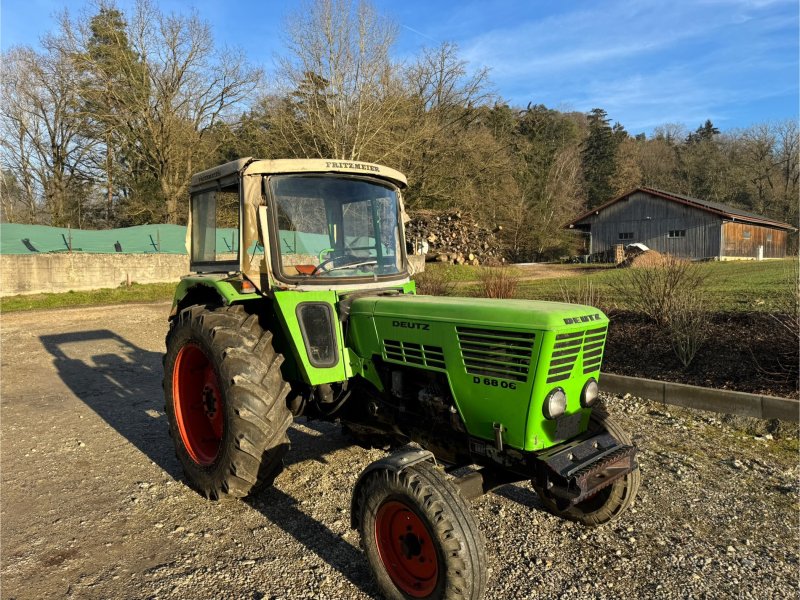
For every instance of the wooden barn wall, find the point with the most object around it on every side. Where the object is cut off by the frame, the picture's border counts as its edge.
(650, 219)
(735, 243)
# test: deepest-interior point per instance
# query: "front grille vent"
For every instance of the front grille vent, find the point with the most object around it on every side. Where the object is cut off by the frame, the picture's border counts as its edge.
(586, 344)
(593, 349)
(565, 353)
(501, 354)
(411, 353)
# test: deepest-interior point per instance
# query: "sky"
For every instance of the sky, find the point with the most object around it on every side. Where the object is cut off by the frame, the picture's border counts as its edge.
(646, 62)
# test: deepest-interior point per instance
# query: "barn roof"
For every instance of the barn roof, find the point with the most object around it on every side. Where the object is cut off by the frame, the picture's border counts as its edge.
(716, 208)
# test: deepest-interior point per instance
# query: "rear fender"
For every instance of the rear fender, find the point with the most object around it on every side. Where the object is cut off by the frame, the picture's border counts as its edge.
(208, 290)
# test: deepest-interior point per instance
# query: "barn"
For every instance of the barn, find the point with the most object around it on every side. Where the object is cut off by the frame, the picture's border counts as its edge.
(681, 226)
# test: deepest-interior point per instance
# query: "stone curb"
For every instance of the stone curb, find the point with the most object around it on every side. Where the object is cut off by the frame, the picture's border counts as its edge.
(702, 398)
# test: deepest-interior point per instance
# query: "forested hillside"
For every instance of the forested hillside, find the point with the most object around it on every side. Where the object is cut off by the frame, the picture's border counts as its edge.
(105, 121)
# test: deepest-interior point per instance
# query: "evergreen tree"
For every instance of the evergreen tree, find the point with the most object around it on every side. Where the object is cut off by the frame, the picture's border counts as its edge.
(113, 81)
(599, 157)
(704, 133)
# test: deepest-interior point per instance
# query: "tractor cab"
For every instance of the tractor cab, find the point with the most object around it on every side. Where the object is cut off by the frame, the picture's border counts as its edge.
(307, 224)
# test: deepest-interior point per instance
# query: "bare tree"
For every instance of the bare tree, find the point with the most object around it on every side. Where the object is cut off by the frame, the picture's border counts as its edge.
(628, 171)
(42, 133)
(341, 91)
(161, 93)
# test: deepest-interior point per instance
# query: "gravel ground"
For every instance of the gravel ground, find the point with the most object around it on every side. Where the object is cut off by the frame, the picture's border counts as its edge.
(94, 506)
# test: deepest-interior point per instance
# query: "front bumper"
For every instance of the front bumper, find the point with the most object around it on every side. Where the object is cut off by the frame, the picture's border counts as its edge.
(577, 470)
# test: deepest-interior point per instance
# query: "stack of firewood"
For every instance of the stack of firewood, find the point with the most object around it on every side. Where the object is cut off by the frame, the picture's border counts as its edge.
(451, 237)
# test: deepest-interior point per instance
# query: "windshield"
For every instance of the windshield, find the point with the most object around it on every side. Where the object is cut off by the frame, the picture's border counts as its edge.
(331, 226)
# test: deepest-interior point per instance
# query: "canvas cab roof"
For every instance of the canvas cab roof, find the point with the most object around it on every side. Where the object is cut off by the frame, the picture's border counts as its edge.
(251, 166)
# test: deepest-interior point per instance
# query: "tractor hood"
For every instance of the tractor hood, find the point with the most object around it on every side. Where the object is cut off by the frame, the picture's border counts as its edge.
(516, 314)
(500, 357)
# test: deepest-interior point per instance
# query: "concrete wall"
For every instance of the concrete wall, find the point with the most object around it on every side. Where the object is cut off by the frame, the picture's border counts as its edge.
(38, 273)
(46, 273)
(702, 398)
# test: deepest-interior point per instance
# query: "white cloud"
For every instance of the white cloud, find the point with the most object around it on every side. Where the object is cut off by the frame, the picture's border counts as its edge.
(646, 63)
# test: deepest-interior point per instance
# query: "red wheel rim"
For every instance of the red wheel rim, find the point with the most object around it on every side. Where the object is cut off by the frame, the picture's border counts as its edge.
(406, 548)
(198, 404)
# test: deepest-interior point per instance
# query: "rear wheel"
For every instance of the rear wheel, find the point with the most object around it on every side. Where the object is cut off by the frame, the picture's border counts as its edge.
(420, 536)
(610, 502)
(225, 400)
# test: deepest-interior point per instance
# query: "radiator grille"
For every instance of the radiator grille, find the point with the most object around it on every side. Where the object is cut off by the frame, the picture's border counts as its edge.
(414, 354)
(586, 344)
(593, 349)
(501, 354)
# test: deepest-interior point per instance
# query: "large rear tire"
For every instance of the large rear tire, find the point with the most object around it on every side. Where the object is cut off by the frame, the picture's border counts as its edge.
(609, 503)
(225, 400)
(419, 535)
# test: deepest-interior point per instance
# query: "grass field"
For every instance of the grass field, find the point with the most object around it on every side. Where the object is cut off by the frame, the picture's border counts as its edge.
(151, 292)
(735, 286)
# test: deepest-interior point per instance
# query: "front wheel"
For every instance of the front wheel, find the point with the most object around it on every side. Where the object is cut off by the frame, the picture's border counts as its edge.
(225, 400)
(420, 536)
(610, 502)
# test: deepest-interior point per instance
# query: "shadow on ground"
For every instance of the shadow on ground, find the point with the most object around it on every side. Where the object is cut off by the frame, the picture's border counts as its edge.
(283, 510)
(122, 384)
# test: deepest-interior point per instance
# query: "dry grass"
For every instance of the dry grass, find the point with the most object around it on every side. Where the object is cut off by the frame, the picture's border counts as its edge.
(435, 283)
(498, 282)
(584, 292)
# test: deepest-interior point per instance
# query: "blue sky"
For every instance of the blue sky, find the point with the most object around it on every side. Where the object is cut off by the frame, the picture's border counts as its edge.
(646, 63)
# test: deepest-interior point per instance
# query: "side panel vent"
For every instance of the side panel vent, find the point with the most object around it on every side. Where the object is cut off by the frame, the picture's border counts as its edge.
(501, 354)
(411, 353)
(593, 349)
(565, 353)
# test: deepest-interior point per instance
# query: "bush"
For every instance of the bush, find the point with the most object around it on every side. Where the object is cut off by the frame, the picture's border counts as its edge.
(671, 293)
(584, 293)
(498, 282)
(438, 283)
(659, 290)
(687, 326)
(785, 314)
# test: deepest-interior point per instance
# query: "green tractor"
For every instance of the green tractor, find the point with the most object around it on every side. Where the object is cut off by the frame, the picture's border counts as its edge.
(300, 304)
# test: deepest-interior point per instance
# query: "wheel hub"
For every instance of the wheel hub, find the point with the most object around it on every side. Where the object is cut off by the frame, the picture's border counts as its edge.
(210, 401)
(411, 546)
(197, 404)
(406, 549)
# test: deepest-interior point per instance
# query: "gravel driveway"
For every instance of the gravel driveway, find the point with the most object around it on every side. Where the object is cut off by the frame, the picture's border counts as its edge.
(94, 506)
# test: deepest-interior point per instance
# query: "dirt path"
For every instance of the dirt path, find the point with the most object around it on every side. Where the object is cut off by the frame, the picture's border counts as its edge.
(531, 271)
(93, 503)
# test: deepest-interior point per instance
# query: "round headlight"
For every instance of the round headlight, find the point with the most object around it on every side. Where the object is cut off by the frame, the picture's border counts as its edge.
(555, 404)
(589, 393)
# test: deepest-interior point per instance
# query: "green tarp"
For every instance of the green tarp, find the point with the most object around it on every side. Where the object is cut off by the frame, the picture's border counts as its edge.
(142, 239)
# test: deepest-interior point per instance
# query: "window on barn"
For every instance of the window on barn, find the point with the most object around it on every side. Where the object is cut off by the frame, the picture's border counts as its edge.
(769, 237)
(626, 235)
(677, 233)
(746, 234)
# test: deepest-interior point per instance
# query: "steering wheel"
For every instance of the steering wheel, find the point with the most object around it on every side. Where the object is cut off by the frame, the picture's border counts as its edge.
(348, 258)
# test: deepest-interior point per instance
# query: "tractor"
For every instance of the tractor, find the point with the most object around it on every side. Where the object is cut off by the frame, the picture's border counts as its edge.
(300, 303)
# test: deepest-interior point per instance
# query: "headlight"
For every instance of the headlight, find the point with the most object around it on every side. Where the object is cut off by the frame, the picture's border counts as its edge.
(589, 393)
(555, 404)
